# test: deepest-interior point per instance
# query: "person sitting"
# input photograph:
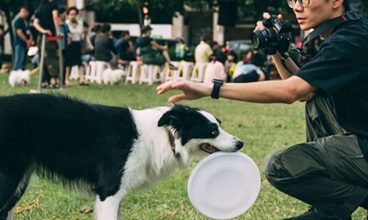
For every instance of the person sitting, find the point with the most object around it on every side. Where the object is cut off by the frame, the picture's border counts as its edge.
(215, 69)
(152, 52)
(230, 64)
(104, 45)
(124, 48)
(247, 72)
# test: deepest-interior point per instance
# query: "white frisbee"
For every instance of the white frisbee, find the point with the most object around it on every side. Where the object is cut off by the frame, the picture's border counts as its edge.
(224, 185)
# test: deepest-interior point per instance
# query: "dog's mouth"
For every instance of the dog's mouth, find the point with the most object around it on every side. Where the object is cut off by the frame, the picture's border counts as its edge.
(208, 148)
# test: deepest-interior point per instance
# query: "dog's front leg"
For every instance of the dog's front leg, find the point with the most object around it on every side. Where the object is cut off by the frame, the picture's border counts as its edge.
(108, 209)
(10, 215)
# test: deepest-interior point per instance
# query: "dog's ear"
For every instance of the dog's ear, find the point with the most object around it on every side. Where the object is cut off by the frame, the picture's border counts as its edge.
(167, 119)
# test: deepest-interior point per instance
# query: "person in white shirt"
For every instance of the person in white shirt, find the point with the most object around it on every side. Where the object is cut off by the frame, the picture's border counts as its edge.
(74, 50)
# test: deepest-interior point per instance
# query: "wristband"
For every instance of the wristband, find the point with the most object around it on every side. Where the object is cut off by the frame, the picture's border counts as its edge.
(217, 83)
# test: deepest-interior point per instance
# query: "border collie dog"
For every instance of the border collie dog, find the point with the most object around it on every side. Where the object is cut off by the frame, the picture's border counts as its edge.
(108, 150)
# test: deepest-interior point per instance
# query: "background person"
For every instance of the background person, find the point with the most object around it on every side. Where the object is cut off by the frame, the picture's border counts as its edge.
(64, 30)
(329, 171)
(104, 45)
(125, 48)
(152, 52)
(74, 49)
(22, 38)
(215, 69)
(203, 51)
(46, 22)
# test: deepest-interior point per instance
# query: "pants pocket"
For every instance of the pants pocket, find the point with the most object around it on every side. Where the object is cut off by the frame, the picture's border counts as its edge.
(301, 160)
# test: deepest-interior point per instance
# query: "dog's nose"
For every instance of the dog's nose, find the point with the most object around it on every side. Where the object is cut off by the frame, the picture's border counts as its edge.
(239, 144)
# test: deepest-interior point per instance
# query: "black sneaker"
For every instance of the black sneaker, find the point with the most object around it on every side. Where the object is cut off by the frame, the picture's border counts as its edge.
(315, 214)
(172, 66)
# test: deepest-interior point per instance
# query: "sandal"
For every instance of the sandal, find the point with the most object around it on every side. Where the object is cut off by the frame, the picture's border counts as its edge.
(44, 85)
(83, 84)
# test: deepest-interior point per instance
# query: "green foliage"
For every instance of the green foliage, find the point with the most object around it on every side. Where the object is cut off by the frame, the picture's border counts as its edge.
(264, 127)
(163, 10)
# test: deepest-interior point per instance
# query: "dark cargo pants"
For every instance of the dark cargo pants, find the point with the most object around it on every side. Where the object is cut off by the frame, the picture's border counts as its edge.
(329, 171)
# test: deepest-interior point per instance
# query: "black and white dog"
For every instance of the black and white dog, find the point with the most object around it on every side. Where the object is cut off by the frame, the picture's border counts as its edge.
(109, 150)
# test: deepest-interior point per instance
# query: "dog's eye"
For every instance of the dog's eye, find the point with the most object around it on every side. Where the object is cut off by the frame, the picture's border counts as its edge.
(215, 132)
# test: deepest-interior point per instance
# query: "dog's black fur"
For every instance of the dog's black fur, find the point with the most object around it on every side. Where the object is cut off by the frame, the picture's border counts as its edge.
(44, 131)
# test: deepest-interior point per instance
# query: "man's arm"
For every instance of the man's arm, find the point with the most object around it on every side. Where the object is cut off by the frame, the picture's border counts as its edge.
(39, 28)
(155, 45)
(274, 91)
(284, 72)
(21, 35)
(55, 18)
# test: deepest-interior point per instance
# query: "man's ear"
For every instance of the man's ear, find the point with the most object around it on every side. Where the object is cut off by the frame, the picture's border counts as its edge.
(167, 119)
(337, 3)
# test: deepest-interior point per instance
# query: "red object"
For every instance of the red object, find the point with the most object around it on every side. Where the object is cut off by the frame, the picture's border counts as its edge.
(53, 38)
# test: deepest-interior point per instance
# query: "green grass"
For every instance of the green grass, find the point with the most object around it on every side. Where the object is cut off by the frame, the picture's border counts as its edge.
(265, 128)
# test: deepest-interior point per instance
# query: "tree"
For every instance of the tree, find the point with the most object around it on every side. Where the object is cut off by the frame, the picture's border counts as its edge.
(161, 11)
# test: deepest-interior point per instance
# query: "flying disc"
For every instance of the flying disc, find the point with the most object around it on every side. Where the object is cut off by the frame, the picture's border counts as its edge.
(224, 185)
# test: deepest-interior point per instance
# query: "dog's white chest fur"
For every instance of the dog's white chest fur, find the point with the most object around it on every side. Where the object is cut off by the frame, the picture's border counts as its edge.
(151, 157)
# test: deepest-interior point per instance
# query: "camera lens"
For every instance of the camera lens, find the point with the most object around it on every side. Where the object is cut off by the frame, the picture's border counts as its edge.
(264, 38)
(260, 38)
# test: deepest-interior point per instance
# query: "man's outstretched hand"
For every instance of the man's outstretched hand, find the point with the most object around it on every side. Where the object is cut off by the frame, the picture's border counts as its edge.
(189, 90)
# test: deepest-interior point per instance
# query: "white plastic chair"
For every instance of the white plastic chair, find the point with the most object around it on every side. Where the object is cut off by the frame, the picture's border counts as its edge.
(100, 67)
(90, 75)
(133, 72)
(171, 74)
(186, 69)
(74, 72)
(151, 74)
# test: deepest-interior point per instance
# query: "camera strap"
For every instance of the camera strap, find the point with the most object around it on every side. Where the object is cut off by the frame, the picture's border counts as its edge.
(325, 26)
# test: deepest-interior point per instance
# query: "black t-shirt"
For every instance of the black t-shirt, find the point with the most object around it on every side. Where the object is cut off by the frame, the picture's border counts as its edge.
(340, 72)
(122, 46)
(144, 41)
(44, 14)
(20, 24)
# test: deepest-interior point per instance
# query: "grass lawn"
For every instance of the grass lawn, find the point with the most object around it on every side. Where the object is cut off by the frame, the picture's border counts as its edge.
(264, 128)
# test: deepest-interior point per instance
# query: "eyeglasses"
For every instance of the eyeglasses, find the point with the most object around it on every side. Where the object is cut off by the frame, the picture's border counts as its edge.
(303, 3)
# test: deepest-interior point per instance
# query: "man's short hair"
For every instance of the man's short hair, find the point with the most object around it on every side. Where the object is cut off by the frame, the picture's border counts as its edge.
(145, 29)
(61, 10)
(26, 7)
(124, 33)
(346, 5)
(96, 28)
(205, 38)
(105, 28)
(73, 8)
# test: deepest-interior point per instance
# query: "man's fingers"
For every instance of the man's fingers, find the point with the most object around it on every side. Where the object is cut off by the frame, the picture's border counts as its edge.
(280, 17)
(259, 26)
(176, 98)
(163, 87)
(266, 15)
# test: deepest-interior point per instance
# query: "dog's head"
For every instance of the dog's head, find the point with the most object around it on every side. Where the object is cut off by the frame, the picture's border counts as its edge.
(197, 131)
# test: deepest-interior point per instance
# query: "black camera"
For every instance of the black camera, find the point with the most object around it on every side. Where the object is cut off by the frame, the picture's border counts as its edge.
(275, 37)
